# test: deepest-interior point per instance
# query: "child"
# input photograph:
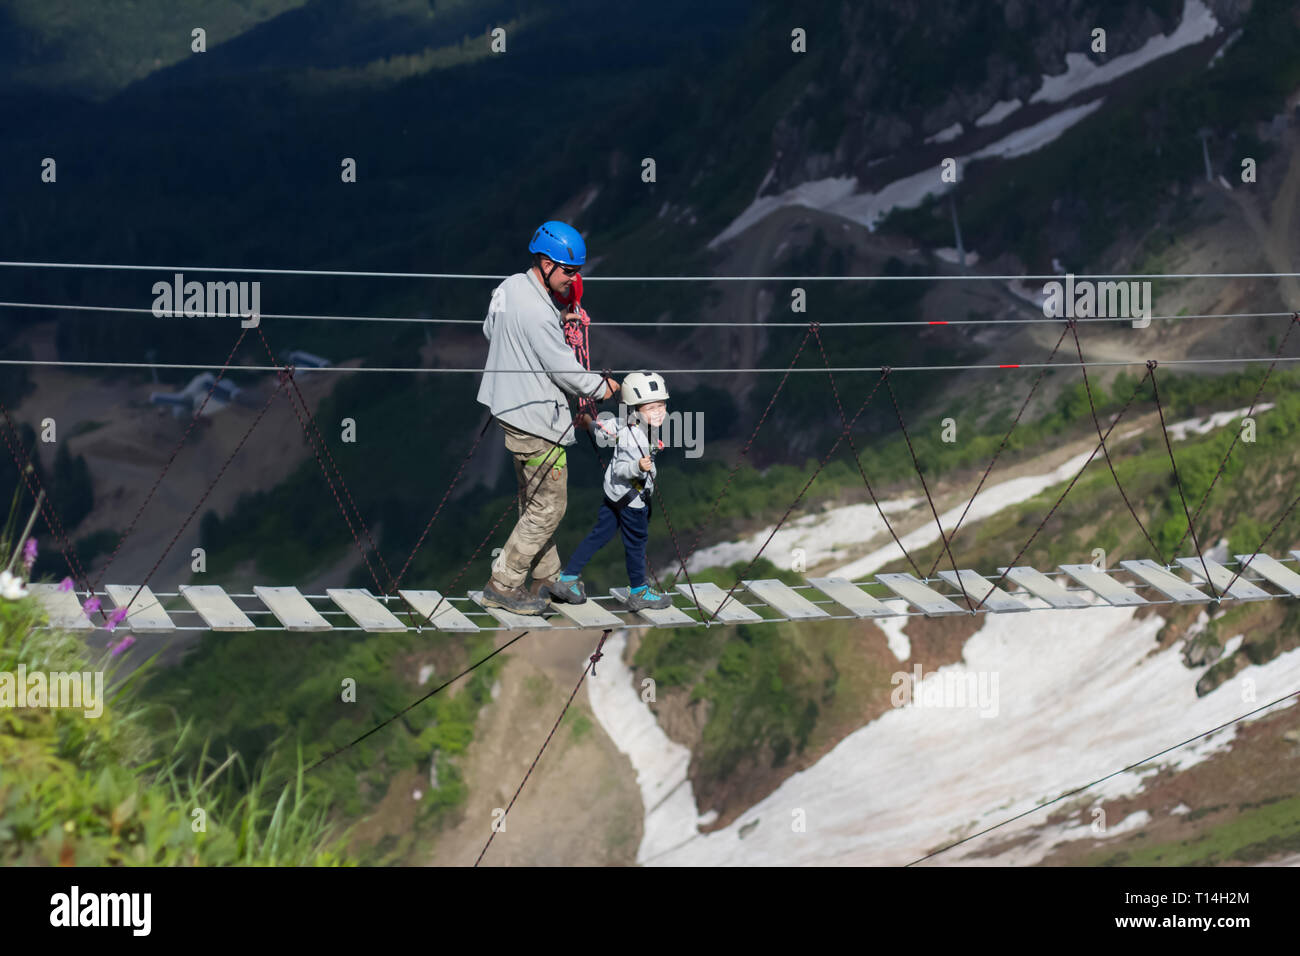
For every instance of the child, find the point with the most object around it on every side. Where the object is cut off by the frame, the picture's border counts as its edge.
(629, 483)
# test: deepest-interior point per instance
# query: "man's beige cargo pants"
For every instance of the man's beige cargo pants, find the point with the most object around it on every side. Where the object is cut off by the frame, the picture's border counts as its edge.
(541, 469)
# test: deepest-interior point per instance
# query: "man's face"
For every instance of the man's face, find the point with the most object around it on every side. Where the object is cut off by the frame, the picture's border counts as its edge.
(559, 279)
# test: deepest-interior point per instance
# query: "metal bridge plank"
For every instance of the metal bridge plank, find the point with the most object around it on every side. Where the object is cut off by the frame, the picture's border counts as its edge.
(1241, 589)
(63, 607)
(216, 607)
(998, 601)
(524, 622)
(291, 608)
(447, 618)
(369, 614)
(1107, 587)
(1041, 586)
(709, 597)
(146, 614)
(852, 598)
(914, 592)
(588, 614)
(1167, 583)
(660, 617)
(1274, 572)
(784, 598)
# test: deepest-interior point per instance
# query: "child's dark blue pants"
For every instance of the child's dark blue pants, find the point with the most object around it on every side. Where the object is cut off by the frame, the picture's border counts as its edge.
(635, 525)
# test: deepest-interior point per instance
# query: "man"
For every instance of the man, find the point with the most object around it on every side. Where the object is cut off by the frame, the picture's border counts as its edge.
(528, 364)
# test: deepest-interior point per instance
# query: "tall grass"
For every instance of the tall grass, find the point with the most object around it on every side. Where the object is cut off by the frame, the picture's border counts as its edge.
(113, 790)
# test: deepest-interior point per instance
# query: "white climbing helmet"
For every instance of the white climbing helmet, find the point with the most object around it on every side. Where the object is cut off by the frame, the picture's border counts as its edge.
(641, 387)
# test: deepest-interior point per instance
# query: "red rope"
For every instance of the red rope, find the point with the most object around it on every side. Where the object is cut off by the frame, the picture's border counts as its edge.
(577, 332)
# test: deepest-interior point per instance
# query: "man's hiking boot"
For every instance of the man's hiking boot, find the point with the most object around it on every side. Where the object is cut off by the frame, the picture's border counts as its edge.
(565, 589)
(518, 600)
(647, 597)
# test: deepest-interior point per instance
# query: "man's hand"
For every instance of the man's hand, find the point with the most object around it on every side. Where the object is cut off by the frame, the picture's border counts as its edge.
(645, 463)
(613, 386)
(582, 420)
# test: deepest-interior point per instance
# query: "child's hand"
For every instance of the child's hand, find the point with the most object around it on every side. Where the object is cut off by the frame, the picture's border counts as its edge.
(645, 463)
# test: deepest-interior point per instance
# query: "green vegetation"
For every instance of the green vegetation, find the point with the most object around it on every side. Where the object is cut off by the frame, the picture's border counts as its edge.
(1254, 834)
(1093, 515)
(98, 48)
(579, 724)
(297, 682)
(129, 788)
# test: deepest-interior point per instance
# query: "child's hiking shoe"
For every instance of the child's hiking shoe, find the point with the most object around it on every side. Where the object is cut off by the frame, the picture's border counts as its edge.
(647, 597)
(496, 594)
(567, 588)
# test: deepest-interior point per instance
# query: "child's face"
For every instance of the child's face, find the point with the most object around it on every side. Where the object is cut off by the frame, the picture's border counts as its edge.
(653, 412)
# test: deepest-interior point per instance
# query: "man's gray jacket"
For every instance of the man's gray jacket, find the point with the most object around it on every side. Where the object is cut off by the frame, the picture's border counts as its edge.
(523, 329)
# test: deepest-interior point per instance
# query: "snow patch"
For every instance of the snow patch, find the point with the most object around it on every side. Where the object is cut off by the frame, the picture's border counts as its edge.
(1081, 73)
(660, 763)
(1000, 111)
(1035, 137)
(1218, 54)
(948, 254)
(899, 642)
(816, 194)
(838, 194)
(1134, 821)
(946, 134)
(989, 502)
(1200, 426)
(1080, 697)
(819, 535)
(1198, 626)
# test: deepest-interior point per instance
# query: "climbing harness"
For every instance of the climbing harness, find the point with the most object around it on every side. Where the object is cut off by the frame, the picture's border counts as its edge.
(549, 457)
(638, 485)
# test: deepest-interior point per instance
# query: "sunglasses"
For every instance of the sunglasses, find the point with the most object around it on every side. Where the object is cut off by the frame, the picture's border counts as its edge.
(568, 270)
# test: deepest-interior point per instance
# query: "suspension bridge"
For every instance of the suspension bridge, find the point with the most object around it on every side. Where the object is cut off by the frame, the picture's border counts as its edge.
(1187, 577)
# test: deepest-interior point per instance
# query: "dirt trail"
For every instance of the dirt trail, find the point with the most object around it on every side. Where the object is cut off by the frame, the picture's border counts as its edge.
(581, 805)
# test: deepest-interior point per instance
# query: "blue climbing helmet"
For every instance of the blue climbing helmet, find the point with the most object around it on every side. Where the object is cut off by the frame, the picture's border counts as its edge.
(559, 242)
